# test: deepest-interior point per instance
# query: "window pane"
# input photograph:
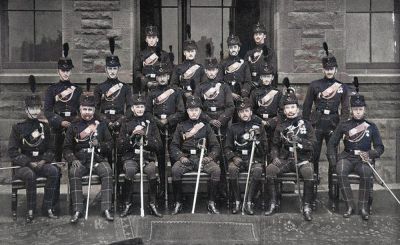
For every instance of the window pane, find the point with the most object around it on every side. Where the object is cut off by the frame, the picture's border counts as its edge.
(227, 3)
(48, 36)
(20, 36)
(385, 41)
(357, 5)
(357, 38)
(206, 2)
(382, 5)
(48, 4)
(170, 30)
(19, 4)
(206, 28)
(169, 3)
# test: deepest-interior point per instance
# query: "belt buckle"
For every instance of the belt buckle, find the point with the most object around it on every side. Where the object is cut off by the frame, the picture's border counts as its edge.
(152, 75)
(245, 152)
(67, 113)
(357, 152)
(233, 82)
(327, 112)
(265, 115)
(137, 151)
(188, 88)
(163, 116)
(111, 112)
(291, 149)
(35, 153)
(254, 74)
(193, 151)
(213, 108)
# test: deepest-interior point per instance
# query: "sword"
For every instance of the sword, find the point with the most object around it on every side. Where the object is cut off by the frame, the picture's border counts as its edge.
(60, 164)
(90, 173)
(167, 164)
(202, 146)
(141, 178)
(248, 172)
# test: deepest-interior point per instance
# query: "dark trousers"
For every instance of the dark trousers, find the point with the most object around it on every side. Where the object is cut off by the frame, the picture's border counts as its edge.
(29, 176)
(354, 164)
(103, 170)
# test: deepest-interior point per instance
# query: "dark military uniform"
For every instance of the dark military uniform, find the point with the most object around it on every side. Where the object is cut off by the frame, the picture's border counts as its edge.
(130, 148)
(236, 70)
(31, 141)
(288, 131)
(147, 63)
(238, 145)
(358, 136)
(165, 103)
(78, 148)
(327, 95)
(188, 146)
(256, 61)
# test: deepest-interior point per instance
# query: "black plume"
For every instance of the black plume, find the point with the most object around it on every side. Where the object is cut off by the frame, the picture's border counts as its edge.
(65, 49)
(286, 82)
(111, 41)
(32, 83)
(356, 84)
(208, 49)
(265, 53)
(187, 30)
(88, 80)
(325, 45)
(171, 54)
(231, 28)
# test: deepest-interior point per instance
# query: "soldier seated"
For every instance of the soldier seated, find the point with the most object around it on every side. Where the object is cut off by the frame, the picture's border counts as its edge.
(185, 153)
(238, 149)
(31, 147)
(85, 137)
(135, 130)
(292, 134)
(358, 135)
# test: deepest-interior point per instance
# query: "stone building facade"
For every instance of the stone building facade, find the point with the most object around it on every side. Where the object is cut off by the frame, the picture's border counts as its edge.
(296, 30)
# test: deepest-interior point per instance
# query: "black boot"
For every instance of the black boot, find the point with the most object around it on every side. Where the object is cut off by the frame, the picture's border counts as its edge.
(127, 192)
(127, 210)
(236, 195)
(177, 188)
(349, 211)
(307, 212)
(248, 208)
(75, 217)
(108, 215)
(152, 194)
(213, 191)
(51, 214)
(364, 213)
(273, 207)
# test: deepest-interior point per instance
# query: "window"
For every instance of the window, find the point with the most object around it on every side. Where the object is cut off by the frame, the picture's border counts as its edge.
(30, 33)
(209, 21)
(372, 34)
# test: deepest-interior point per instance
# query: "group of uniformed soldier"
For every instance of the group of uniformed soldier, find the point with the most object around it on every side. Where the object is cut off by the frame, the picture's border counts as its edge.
(232, 109)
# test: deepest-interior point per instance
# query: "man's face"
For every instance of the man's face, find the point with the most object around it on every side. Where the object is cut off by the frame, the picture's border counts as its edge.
(162, 79)
(151, 41)
(87, 112)
(234, 50)
(112, 72)
(64, 74)
(245, 114)
(211, 73)
(291, 111)
(194, 113)
(33, 112)
(266, 79)
(330, 72)
(259, 37)
(138, 110)
(190, 54)
(358, 112)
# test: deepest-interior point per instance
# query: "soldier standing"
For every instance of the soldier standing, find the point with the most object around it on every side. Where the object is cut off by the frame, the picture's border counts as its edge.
(188, 75)
(236, 70)
(238, 150)
(31, 146)
(134, 127)
(358, 135)
(257, 56)
(112, 97)
(83, 136)
(185, 153)
(166, 105)
(292, 130)
(327, 94)
(148, 61)
(61, 102)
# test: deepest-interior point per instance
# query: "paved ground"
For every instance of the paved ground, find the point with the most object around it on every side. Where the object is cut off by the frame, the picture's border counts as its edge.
(286, 227)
